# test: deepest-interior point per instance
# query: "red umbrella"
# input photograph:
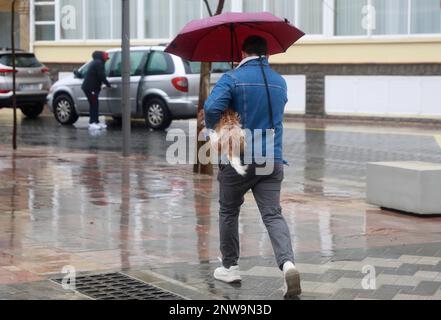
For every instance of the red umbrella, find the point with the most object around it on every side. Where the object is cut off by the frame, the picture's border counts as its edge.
(218, 38)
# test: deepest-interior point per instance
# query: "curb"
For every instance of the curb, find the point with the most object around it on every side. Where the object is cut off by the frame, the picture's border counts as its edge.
(377, 120)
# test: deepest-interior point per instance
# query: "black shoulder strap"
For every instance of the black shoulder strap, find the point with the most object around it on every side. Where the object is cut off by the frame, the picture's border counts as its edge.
(268, 95)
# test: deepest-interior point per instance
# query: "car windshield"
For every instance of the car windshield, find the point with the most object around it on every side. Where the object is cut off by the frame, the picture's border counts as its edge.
(83, 69)
(192, 67)
(22, 60)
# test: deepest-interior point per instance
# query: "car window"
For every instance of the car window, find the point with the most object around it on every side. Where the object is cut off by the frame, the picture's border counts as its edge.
(108, 63)
(192, 67)
(22, 60)
(159, 63)
(82, 71)
(136, 58)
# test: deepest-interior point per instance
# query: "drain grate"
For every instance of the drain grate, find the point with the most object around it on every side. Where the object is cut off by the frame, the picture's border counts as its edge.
(117, 286)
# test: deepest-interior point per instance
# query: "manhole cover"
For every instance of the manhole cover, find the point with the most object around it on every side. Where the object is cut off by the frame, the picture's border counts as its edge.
(117, 286)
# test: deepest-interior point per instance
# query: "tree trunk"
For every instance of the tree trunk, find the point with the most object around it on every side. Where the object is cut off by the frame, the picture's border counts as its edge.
(204, 91)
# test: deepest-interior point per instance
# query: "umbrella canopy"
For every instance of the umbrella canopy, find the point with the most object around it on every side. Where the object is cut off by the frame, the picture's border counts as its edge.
(219, 38)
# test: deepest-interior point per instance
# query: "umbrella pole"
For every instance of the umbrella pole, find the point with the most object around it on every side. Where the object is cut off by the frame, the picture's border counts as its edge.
(232, 44)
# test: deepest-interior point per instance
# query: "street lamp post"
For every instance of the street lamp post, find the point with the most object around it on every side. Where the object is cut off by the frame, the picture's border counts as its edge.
(14, 99)
(126, 106)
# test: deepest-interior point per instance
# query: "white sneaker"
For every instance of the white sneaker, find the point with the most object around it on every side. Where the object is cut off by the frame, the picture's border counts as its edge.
(94, 126)
(291, 275)
(230, 275)
(102, 125)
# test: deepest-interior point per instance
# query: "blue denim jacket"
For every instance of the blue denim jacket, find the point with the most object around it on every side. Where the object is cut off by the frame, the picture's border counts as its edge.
(243, 90)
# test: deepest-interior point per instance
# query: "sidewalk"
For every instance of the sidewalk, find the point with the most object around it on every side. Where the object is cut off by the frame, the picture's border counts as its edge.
(100, 213)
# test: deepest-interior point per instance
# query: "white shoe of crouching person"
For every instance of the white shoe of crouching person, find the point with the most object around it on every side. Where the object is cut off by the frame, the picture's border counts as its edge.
(94, 126)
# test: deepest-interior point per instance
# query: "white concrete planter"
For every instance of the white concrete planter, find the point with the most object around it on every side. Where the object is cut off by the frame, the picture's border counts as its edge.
(413, 187)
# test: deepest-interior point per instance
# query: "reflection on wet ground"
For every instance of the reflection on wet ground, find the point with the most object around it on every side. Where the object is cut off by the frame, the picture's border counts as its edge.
(69, 198)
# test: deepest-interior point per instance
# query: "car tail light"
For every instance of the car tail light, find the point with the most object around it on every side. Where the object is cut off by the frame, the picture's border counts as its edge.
(180, 83)
(4, 72)
(4, 91)
(45, 70)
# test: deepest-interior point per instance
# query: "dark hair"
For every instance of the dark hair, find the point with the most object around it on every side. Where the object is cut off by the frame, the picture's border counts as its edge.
(255, 45)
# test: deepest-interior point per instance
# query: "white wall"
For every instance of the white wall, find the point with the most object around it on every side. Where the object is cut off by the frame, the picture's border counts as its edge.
(62, 75)
(296, 94)
(383, 95)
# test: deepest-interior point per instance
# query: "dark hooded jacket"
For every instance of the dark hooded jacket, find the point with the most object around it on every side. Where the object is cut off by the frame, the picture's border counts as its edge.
(96, 74)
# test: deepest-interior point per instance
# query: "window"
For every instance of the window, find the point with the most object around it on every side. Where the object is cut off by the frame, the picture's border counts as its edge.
(44, 32)
(97, 19)
(159, 63)
(156, 19)
(253, 5)
(5, 24)
(425, 16)
(136, 58)
(391, 16)
(71, 19)
(102, 19)
(183, 12)
(349, 17)
(22, 60)
(44, 13)
(116, 21)
(310, 16)
(44, 20)
(163, 19)
(82, 71)
(84, 68)
(283, 9)
(192, 67)
(387, 17)
(213, 7)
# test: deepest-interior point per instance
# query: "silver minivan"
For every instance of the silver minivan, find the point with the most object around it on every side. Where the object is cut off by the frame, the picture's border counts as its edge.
(163, 87)
(32, 82)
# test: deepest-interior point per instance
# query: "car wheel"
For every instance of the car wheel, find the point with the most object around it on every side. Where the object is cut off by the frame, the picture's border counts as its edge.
(157, 115)
(32, 111)
(64, 110)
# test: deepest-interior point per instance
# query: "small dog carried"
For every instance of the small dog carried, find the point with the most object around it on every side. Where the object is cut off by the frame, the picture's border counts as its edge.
(229, 139)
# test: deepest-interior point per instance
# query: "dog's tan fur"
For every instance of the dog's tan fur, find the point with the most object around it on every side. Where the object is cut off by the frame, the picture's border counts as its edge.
(229, 139)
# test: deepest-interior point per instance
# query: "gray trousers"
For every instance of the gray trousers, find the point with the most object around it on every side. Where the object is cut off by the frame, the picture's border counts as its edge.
(266, 191)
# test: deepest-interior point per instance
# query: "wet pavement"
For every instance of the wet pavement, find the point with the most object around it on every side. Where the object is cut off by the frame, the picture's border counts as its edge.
(69, 199)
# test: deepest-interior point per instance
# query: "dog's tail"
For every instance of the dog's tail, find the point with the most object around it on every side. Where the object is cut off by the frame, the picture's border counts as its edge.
(237, 165)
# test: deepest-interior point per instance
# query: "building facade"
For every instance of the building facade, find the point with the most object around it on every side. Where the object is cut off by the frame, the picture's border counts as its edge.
(22, 26)
(375, 57)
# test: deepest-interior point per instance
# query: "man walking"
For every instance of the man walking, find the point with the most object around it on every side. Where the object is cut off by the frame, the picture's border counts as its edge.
(258, 94)
(95, 77)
